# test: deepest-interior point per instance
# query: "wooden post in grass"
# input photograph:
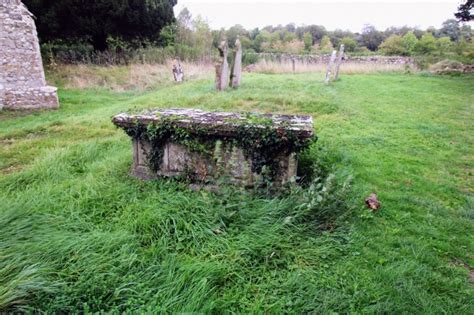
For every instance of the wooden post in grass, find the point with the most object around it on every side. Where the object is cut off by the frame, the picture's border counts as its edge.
(339, 61)
(330, 65)
(222, 68)
(293, 63)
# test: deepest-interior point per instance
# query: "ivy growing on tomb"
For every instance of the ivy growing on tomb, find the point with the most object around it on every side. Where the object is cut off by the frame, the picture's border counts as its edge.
(260, 140)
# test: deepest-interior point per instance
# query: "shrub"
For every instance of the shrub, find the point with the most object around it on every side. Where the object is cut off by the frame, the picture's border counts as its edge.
(393, 45)
(409, 42)
(349, 43)
(426, 45)
(250, 57)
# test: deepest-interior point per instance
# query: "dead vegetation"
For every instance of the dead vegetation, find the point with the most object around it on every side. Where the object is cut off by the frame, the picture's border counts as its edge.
(347, 67)
(142, 77)
(134, 77)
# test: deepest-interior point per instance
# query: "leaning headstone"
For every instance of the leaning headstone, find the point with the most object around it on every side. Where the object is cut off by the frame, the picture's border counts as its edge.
(178, 72)
(330, 66)
(22, 80)
(222, 68)
(237, 69)
(339, 61)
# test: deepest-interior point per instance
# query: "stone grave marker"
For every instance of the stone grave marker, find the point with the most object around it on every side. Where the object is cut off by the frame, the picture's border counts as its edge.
(237, 68)
(330, 66)
(178, 72)
(222, 67)
(339, 61)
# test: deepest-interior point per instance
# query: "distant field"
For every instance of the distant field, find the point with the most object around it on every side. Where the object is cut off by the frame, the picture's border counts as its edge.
(77, 234)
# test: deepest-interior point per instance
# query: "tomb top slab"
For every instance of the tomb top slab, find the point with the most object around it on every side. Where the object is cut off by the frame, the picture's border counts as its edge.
(218, 123)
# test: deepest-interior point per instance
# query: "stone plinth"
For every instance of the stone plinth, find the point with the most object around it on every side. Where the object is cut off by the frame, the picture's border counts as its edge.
(216, 147)
(22, 81)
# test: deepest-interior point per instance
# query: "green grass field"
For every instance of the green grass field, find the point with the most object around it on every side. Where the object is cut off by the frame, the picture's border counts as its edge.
(77, 234)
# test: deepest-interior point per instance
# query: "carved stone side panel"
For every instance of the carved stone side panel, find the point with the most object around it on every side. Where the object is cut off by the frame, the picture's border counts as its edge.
(227, 165)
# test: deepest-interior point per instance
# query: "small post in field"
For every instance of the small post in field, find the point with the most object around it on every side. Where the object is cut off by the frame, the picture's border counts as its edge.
(293, 63)
(339, 61)
(236, 77)
(222, 68)
(178, 71)
(330, 65)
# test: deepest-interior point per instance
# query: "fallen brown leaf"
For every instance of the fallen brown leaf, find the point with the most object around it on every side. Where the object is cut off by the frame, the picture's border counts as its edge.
(372, 202)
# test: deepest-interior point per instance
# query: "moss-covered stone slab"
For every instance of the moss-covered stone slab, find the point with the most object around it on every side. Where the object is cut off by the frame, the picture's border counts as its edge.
(216, 147)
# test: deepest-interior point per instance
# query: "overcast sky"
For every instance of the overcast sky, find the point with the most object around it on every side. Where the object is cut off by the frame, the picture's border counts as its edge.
(338, 14)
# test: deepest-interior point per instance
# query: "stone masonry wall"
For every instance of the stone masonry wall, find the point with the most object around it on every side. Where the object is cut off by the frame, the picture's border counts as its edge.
(22, 80)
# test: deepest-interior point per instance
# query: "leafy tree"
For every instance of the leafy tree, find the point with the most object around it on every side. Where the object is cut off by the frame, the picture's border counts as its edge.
(253, 33)
(290, 28)
(465, 11)
(290, 37)
(409, 42)
(427, 44)
(263, 37)
(326, 45)
(396, 30)
(443, 45)
(466, 32)
(234, 32)
(316, 31)
(97, 20)
(393, 45)
(184, 27)
(349, 43)
(168, 35)
(337, 35)
(308, 41)
(370, 37)
(451, 29)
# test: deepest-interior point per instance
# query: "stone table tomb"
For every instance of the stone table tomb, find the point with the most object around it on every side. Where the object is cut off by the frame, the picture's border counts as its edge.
(216, 147)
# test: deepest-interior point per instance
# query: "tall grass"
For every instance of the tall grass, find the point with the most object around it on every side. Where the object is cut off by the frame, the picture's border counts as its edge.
(94, 239)
(134, 77)
(79, 235)
(347, 67)
(146, 77)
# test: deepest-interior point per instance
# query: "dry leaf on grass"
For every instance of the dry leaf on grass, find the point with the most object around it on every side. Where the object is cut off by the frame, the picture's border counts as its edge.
(372, 202)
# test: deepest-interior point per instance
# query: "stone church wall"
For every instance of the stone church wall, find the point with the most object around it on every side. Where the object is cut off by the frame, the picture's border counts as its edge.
(22, 81)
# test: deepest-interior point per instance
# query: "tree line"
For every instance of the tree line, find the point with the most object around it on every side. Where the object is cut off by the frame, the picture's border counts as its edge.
(121, 30)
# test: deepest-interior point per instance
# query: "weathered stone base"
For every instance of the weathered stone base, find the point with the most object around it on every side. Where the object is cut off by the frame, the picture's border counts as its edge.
(227, 166)
(32, 98)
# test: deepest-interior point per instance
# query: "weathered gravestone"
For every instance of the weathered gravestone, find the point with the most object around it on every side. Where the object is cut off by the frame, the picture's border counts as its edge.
(22, 81)
(215, 147)
(178, 72)
(237, 68)
(222, 68)
(339, 62)
(330, 66)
